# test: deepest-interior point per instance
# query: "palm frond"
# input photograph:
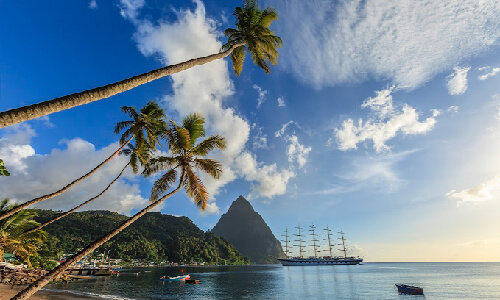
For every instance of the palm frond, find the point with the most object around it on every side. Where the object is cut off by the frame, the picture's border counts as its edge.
(194, 123)
(210, 166)
(163, 184)
(195, 189)
(209, 144)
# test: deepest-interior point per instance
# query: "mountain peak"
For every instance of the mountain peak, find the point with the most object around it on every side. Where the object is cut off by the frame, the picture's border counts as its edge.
(241, 204)
(248, 232)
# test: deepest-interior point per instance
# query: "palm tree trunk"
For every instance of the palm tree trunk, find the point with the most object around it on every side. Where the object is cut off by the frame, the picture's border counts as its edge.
(40, 283)
(37, 110)
(64, 189)
(78, 206)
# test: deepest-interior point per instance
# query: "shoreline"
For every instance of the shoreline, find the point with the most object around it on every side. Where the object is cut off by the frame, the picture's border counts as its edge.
(8, 291)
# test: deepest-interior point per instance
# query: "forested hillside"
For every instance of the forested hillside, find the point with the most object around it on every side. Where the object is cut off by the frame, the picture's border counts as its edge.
(154, 237)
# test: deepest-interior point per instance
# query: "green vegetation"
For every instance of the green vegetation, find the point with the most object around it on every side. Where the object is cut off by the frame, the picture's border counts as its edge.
(153, 238)
(3, 169)
(252, 31)
(13, 235)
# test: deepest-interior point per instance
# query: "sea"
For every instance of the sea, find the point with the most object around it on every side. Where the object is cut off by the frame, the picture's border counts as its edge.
(366, 281)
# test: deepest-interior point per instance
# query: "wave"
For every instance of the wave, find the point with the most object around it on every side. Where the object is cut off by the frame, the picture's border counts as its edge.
(87, 294)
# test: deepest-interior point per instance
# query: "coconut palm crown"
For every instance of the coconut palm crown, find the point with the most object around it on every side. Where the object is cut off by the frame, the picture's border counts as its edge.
(146, 126)
(188, 156)
(252, 30)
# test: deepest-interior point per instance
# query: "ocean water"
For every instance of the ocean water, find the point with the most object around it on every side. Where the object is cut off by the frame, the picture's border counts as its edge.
(367, 281)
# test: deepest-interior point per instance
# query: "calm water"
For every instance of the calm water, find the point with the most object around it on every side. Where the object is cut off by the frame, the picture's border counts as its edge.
(368, 281)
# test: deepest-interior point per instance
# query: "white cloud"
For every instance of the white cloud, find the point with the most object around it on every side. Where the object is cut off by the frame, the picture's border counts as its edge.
(284, 127)
(407, 42)
(92, 4)
(457, 81)
(483, 192)
(268, 180)
(261, 95)
(129, 9)
(386, 122)
(259, 140)
(281, 101)
(296, 151)
(203, 89)
(453, 108)
(33, 175)
(491, 73)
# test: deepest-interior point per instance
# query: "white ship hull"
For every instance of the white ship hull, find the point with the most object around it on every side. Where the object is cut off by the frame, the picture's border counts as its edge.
(319, 261)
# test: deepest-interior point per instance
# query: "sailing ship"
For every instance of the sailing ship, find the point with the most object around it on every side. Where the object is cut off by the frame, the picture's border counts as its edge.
(316, 259)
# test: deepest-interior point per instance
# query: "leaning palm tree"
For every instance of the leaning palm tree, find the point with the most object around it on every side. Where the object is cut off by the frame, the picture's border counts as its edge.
(144, 127)
(186, 156)
(135, 156)
(252, 33)
(13, 235)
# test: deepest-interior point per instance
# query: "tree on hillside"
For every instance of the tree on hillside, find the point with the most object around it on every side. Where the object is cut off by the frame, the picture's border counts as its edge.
(252, 34)
(13, 235)
(186, 156)
(144, 126)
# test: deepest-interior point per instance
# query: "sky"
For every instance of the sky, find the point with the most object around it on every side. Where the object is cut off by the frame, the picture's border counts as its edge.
(381, 119)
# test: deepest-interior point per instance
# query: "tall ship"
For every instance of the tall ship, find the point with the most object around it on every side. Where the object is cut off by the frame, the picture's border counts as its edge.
(316, 259)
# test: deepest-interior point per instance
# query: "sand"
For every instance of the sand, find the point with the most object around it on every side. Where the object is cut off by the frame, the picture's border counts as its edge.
(7, 292)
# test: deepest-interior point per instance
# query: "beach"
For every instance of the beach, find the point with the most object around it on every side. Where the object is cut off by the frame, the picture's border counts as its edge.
(9, 291)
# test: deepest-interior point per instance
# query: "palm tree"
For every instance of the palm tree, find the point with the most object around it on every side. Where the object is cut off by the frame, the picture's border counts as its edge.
(13, 235)
(143, 126)
(186, 156)
(136, 156)
(252, 30)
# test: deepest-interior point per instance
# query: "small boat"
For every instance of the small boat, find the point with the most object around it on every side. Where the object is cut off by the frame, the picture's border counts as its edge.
(175, 278)
(192, 281)
(409, 289)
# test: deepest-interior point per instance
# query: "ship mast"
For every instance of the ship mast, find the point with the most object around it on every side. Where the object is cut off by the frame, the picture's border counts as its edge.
(286, 240)
(329, 234)
(343, 244)
(300, 240)
(314, 240)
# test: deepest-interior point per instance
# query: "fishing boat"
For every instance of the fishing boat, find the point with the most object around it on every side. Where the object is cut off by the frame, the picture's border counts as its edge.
(409, 289)
(175, 278)
(316, 260)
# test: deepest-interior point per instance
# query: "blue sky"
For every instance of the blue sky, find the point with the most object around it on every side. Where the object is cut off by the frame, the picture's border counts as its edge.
(381, 119)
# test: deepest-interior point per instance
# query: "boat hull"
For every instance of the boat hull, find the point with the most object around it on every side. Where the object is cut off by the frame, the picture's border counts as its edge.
(178, 278)
(409, 290)
(319, 261)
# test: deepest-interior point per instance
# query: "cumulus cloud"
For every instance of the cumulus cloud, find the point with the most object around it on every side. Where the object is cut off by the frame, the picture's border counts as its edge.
(281, 102)
(296, 151)
(480, 193)
(93, 4)
(407, 42)
(204, 89)
(33, 174)
(453, 108)
(457, 81)
(490, 72)
(384, 124)
(267, 180)
(261, 95)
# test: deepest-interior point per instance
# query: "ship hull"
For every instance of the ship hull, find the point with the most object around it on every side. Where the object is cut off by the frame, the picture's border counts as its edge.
(319, 262)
